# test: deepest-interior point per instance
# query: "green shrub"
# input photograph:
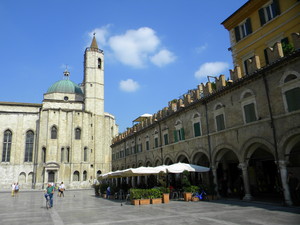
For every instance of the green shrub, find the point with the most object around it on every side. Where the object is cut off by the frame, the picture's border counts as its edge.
(164, 189)
(103, 188)
(135, 193)
(145, 193)
(191, 188)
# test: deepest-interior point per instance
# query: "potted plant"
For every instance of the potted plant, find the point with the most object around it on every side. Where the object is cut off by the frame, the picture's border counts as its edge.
(135, 196)
(165, 194)
(145, 197)
(187, 194)
(155, 196)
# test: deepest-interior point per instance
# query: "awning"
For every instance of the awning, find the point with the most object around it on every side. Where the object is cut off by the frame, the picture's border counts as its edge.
(144, 171)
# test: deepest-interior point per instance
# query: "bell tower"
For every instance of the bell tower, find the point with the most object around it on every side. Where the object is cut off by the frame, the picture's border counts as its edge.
(94, 79)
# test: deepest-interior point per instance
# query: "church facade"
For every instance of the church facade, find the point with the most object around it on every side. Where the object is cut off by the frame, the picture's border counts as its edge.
(65, 139)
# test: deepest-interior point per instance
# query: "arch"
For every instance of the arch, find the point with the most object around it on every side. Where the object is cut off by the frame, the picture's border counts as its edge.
(218, 106)
(246, 94)
(29, 142)
(85, 154)
(157, 162)
(77, 133)
(84, 175)
(220, 150)
(30, 178)
(168, 161)
(53, 132)
(201, 159)
(76, 176)
(22, 178)
(43, 155)
(288, 141)
(148, 163)
(263, 173)
(252, 144)
(180, 155)
(183, 158)
(287, 74)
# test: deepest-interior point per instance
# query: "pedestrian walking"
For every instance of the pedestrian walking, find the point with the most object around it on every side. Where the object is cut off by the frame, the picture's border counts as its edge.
(61, 190)
(13, 189)
(17, 188)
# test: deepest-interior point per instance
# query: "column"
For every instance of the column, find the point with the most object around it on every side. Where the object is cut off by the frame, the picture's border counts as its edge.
(215, 180)
(244, 167)
(285, 187)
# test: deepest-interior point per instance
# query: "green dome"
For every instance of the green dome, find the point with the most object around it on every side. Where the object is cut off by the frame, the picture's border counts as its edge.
(65, 86)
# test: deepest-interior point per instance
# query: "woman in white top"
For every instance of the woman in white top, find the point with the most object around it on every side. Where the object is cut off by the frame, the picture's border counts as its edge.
(61, 189)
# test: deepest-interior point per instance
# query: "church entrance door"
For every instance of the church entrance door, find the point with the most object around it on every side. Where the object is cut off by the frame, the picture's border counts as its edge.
(51, 176)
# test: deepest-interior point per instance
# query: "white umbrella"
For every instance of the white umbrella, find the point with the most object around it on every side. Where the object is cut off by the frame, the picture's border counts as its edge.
(142, 171)
(180, 167)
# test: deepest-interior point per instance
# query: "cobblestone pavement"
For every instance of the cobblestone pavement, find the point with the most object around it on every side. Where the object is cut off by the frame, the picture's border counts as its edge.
(82, 207)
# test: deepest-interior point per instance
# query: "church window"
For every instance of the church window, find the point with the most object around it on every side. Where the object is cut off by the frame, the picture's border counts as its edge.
(29, 146)
(84, 178)
(77, 133)
(44, 155)
(54, 132)
(76, 176)
(62, 155)
(6, 146)
(85, 154)
(99, 63)
(67, 154)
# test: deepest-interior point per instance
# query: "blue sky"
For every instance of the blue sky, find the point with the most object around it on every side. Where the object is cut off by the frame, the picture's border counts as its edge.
(155, 50)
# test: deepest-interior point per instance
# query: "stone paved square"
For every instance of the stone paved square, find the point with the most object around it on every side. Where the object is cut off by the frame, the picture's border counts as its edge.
(82, 207)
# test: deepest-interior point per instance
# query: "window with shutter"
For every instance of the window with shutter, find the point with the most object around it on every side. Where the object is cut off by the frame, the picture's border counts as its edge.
(268, 12)
(220, 122)
(197, 130)
(175, 136)
(250, 114)
(292, 99)
(166, 139)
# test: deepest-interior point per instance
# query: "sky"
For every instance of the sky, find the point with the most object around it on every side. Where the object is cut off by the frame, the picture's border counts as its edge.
(155, 50)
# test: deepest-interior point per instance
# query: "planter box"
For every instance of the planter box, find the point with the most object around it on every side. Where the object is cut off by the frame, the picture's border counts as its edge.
(165, 198)
(187, 196)
(135, 202)
(156, 201)
(144, 201)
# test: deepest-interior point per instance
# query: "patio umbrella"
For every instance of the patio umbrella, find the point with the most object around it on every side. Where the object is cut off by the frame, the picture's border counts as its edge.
(180, 167)
(142, 171)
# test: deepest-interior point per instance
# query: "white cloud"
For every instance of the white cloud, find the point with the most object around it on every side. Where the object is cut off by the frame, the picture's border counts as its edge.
(162, 58)
(129, 85)
(211, 69)
(133, 47)
(202, 48)
(101, 34)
